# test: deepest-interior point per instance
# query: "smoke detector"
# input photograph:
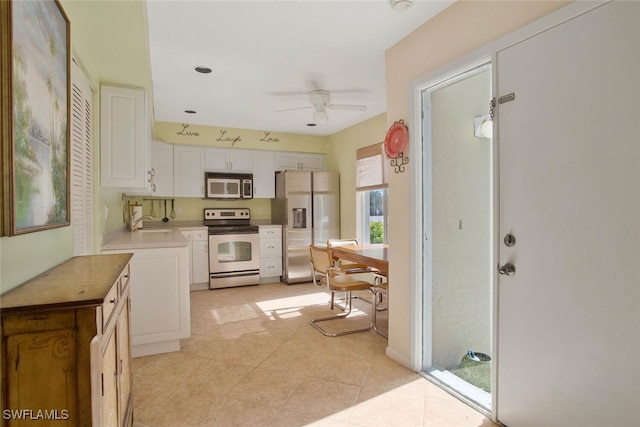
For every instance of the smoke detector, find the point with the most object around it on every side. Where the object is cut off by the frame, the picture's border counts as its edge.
(401, 5)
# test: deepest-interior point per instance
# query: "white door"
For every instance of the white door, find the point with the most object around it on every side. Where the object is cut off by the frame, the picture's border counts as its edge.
(569, 146)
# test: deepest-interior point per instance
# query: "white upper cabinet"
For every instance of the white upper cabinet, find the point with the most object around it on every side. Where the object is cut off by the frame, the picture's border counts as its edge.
(162, 169)
(228, 160)
(303, 161)
(264, 181)
(124, 139)
(188, 171)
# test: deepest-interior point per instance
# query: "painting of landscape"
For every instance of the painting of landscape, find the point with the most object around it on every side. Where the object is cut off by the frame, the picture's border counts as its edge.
(40, 81)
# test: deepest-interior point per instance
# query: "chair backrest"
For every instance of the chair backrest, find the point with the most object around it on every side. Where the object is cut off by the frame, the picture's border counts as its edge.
(342, 242)
(320, 259)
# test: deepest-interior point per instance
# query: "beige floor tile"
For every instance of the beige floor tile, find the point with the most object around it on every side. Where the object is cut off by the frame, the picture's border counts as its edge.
(296, 419)
(324, 398)
(271, 387)
(388, 409)
(253, 359)
(452, 413)
(240, 413)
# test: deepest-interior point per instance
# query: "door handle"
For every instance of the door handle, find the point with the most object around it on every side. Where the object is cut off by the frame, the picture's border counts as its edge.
(507, 270)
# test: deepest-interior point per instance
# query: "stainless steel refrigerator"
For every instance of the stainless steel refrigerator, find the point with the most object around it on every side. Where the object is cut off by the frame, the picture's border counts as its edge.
(307, 204)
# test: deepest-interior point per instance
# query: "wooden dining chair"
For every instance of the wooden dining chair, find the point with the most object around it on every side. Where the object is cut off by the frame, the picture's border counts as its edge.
(324, 273)
(348, 266)
(380, 289)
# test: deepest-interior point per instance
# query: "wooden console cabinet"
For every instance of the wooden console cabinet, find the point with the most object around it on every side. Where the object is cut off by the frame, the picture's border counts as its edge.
(65, 349)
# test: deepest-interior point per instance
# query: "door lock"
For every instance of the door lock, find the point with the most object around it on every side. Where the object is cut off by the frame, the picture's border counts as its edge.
(510, 240)
(507, 270)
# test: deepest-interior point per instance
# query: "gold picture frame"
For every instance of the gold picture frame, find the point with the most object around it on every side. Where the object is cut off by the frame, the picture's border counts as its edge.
(35, 81)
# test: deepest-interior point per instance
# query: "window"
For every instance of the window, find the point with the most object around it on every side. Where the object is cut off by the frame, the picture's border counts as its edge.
(81, 163)
(371, 195)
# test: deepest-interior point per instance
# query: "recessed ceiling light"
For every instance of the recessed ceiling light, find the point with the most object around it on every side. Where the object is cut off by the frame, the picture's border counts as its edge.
(203, 70)
(189, 111)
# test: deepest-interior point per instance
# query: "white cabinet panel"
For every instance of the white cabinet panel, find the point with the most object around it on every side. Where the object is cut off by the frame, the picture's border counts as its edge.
(264, 180)
(228, 160)
(124, 139)
(200, 258)
(270, 268)
(162, 169)
(270, 248)
(188, 171)
(160, 305)
(270, 253)
(302, 161)
(270, 231)
(198, 255)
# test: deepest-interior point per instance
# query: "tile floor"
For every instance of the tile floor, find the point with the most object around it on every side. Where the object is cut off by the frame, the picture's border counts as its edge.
(253, 359)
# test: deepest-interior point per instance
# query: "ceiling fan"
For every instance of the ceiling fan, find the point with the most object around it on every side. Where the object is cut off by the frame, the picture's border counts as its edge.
(320, 102)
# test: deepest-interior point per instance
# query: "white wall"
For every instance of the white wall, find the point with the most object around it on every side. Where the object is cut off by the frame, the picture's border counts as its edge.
(461, 307)
(458, 30)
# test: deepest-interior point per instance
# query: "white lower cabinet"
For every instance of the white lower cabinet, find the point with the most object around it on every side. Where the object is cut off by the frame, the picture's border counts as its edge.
(198, 257)
(270, 253)
(160, 303)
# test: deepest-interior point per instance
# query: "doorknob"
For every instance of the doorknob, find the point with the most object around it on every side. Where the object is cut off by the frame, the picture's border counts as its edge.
(507, 270)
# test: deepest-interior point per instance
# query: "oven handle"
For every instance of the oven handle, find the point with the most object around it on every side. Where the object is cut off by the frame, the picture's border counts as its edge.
(231, 233)
(236, 273)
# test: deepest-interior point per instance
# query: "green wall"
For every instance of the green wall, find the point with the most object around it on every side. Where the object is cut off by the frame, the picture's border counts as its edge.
(341, 157)
(190, 208)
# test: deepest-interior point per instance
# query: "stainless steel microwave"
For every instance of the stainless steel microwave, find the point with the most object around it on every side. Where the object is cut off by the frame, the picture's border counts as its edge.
(228, 185)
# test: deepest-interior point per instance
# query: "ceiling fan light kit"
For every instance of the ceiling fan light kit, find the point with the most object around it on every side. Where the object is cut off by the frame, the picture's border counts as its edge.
(400, 5)
(320, 102)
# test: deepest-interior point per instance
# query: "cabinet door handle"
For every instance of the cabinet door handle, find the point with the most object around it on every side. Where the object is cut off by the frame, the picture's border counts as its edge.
(112, 301)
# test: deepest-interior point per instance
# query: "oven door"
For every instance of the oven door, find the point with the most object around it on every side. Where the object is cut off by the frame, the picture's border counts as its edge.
(234, 259)
(224, 188)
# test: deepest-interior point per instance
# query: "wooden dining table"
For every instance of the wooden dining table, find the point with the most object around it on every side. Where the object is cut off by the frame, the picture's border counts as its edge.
(373, 255)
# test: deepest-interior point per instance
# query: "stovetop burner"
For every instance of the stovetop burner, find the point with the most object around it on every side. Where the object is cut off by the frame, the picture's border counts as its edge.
(228, 221)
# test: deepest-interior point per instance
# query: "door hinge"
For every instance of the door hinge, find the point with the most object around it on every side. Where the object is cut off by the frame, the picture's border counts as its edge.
(506, 98)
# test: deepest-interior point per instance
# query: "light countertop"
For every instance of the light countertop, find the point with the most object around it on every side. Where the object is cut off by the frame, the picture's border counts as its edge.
(157, 234)
(146, 238)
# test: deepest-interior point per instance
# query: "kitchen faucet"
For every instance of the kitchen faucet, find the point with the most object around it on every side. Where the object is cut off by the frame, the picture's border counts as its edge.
(132, 223)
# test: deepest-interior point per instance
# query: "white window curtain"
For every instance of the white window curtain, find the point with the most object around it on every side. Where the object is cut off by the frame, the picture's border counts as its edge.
(371, 168)
(81, 162)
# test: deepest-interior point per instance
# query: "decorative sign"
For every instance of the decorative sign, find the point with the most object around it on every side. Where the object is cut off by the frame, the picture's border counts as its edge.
(395, 143)
(185, 132)
(267, 138)
(223, 138)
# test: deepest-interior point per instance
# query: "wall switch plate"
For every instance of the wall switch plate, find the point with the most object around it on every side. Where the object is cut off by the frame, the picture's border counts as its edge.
(106, 211)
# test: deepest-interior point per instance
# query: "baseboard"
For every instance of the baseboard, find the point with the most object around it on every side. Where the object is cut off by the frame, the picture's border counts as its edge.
(394, 355)
(140, 350)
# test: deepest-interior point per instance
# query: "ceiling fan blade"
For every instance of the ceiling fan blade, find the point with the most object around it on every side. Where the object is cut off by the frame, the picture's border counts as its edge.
(352, 107)
(292, 109)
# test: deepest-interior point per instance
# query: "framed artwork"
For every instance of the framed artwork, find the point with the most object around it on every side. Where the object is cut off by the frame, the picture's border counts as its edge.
(35, 119)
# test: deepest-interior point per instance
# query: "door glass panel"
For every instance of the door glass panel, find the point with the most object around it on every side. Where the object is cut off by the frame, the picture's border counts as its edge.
(457, 185)
(234, 252)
